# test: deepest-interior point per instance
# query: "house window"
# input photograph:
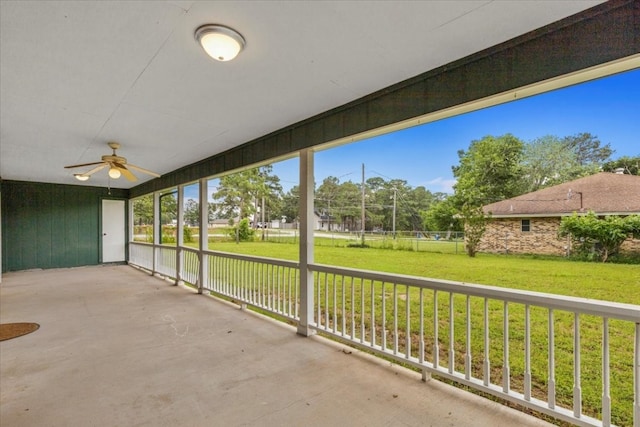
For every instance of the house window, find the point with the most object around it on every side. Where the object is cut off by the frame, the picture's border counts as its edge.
(525, 225)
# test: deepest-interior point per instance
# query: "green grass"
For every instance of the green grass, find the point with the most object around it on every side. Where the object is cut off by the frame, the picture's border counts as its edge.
(609, 282)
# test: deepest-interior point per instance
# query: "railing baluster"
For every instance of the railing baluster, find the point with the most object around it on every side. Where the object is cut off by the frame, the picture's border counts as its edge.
(282, 289)
(263, 289)
(265, 275)
(408, 325)
(467, 356)
(287, 276)
(451, 334)
(436, 346)
(335, 304)
(373, 315)
(395, 318)
(384, 315)
(527, 352)
(551, 392)
(485, 363)
(272, 274)
(606, 396)
(636, 378)
(318, 301)
(353, 309)
(327, 315)
(506, 370)
(577, 389)
(421, 342)
(362, 331)
(296, 291)
(344, 307)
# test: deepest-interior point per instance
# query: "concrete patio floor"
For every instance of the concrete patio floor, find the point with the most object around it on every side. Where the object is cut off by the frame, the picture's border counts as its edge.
(117, 347)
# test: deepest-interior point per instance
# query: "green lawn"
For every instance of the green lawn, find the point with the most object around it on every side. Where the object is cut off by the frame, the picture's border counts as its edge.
(610, 282)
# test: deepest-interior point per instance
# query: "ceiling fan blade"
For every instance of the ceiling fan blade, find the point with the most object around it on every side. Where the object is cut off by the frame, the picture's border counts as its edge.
(82, 165)
(143, 170)
(126, 172)
(96, 169)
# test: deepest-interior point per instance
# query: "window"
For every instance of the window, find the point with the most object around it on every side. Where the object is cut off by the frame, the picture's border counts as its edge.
(525, 226)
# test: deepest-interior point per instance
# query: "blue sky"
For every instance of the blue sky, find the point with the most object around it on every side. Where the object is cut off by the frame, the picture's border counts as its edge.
(608, 108)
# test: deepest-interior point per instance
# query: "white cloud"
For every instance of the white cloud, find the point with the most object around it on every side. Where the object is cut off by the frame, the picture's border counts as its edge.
(440, 184)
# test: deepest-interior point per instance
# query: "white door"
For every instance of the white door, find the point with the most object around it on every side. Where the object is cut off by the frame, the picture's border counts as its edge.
(113, 230)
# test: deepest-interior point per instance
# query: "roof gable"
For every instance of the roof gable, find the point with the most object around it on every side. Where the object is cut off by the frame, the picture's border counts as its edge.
(602, 193)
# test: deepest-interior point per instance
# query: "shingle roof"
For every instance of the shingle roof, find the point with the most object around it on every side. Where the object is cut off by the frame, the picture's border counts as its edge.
(603, 193)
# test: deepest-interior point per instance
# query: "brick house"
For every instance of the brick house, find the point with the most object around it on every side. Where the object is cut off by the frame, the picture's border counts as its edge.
(529, 223)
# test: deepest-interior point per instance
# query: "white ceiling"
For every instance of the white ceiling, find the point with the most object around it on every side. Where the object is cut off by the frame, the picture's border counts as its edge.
(76, 74)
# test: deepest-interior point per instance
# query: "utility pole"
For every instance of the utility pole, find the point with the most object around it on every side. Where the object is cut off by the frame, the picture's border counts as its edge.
(262, 217)
(363, 217)
(395, 190)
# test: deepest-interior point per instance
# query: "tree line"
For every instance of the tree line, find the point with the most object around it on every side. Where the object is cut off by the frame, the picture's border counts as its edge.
(491, 169)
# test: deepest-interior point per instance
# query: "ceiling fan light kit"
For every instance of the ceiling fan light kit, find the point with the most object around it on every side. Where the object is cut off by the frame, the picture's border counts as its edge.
(114, 173)
(118, 167)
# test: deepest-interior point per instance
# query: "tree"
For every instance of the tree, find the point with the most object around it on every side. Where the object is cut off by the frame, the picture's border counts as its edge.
(143, 210)
(326, 195)
(168, 208)
(290, 207)
(630, 165)
(348, 204)
(489, 171)
(192, 212)
(587, 149)
(547, 161)
(475, 223)
(442, 216)
(604, 236)
(240, 194)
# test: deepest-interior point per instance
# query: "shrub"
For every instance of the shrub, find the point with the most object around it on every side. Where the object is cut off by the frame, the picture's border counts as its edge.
(599, 238)
(242, 232)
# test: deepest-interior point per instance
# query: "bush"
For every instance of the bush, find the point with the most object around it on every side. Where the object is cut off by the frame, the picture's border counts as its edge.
(599, 238)
(242, 231)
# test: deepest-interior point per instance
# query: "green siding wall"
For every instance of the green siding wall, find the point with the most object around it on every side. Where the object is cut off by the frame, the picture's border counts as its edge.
(51, 225)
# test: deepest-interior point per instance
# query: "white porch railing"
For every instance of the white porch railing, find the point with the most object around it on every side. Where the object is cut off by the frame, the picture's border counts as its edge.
(141, 254)
(190, 265)
(166, 260)
(429, 324)
(266, 283)
(508, 343)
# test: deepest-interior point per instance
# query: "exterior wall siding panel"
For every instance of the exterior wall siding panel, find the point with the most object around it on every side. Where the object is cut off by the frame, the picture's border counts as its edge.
(51, 225)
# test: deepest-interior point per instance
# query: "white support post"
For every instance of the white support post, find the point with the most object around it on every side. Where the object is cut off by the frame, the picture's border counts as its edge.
(306, 242)
(179, 233)
(636, 378)
(130, 228)
(203, 233)
(157, 232)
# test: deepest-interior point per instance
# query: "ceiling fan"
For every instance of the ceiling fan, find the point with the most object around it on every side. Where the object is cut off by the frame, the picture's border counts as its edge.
(117, 166)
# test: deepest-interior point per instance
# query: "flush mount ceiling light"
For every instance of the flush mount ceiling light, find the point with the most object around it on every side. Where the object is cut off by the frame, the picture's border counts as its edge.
(220, 42)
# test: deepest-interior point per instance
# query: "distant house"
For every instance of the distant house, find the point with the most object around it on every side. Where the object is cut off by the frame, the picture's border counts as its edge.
(529, 223)
(325, 222)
